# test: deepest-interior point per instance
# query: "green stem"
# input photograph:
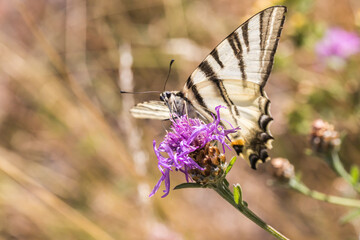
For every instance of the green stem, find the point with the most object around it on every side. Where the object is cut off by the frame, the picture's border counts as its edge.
(225, 193)
(300, 187)
(335, 162)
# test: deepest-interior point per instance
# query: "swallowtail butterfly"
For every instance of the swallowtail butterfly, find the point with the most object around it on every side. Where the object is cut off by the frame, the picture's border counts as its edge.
(233, 75)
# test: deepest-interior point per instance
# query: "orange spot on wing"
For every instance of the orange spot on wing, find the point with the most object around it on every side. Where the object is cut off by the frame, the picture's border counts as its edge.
(239, 142)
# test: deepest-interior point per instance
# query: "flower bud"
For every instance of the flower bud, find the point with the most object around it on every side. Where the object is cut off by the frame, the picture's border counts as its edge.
(282, 169)
(323, 137)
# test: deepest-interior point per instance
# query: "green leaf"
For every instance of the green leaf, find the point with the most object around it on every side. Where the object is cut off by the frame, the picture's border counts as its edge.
(237, 194)
(188, 185)
(355, 173)
(350, 216)
(231, 163)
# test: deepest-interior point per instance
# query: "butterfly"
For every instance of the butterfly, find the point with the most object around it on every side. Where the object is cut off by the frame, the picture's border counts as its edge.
(233, 75)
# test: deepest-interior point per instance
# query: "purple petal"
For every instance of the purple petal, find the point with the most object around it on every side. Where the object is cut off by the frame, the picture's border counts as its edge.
(167, 184)
(157, 186)
(186, 136)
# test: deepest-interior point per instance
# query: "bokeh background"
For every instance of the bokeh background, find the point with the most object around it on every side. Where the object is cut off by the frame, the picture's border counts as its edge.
(75, 165)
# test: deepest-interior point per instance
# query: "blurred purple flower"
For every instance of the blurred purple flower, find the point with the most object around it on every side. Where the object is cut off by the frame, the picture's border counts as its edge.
(187, 135)
(338, 43)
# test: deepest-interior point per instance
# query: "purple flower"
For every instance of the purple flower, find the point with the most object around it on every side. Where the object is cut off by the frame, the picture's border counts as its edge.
(338, 43)
(187, 135)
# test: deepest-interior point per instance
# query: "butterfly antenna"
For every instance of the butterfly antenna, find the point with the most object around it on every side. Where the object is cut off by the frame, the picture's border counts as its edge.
(167, 78)
(125, 92)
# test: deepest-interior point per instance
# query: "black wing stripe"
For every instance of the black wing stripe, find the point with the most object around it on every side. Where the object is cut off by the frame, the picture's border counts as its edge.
(263, 25)
(245, 34)
(190, 85)
(272, 54)
(235, 44)
(215, 55)
(261, 19)
(240, 56)
(264, 37)
(210, 74)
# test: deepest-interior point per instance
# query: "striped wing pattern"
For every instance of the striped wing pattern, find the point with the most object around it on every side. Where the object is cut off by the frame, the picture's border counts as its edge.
(234, 75)
(151, 110)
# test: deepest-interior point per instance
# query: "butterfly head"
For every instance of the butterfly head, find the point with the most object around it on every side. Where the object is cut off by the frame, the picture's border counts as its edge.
(173, 101)
(166, 96)
(179, 105)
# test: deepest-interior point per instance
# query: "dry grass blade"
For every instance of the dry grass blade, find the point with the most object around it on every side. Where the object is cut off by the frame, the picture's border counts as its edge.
(49, 198)
(77, 90)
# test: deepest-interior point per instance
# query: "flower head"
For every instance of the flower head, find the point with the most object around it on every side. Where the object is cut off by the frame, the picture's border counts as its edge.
(281, 169)
(187, 138)
(338, 43)
(324, 137)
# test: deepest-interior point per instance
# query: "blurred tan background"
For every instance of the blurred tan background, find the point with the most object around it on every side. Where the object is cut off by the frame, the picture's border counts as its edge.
(75, 165)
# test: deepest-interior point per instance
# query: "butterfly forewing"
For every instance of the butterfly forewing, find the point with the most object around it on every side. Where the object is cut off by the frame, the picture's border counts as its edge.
(151, 110)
